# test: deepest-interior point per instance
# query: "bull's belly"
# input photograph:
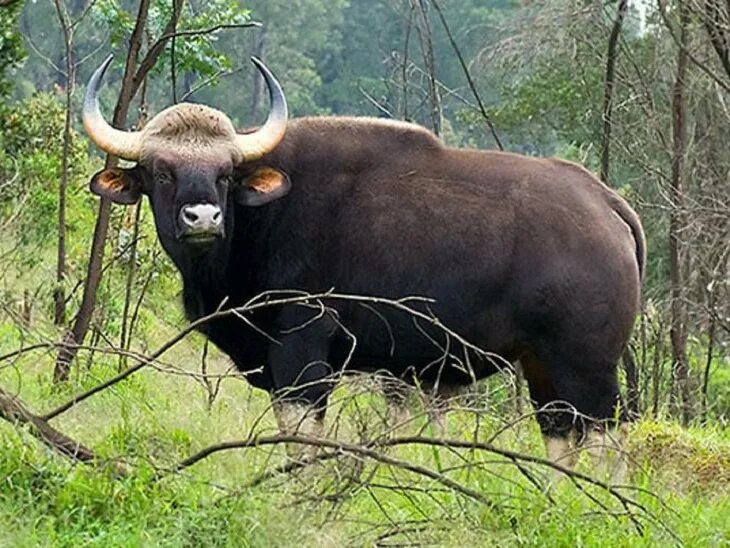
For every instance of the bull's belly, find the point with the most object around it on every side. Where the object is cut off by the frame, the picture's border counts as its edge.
(423, 353)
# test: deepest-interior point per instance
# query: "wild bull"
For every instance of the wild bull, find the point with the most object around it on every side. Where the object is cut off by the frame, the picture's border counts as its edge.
(532, 259)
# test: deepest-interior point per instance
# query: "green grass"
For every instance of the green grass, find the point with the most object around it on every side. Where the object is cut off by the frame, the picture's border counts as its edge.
(155, 419)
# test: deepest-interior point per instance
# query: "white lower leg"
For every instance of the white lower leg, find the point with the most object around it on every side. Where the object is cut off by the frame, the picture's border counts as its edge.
(562, 450)
(396, 397)
(605, 446)
(301, 419)
(438, 403)
(398, 414)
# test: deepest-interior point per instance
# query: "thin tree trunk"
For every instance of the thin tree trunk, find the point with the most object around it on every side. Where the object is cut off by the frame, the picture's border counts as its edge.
(717, 23)
(130, 84)
(134, 74)
(469, 79)
(134, 212)
(259, 50)
(627, 359)
(710, 353)
(26, 309)
(656, 375)
(678, 329)
(124, 339)
(173, 61)
(59, 294)
(404, 66)
(609, 87)
(633, 395)
(424, 33)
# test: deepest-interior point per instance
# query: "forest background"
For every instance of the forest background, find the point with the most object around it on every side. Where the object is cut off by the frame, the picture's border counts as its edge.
(637, 92)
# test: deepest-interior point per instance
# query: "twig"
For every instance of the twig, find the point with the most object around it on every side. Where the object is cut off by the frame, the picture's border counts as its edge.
(200, 32)
(370, 450)
(469, 79)
(262, 301)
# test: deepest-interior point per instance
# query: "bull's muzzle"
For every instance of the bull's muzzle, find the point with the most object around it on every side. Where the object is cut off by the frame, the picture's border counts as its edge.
(201, 222)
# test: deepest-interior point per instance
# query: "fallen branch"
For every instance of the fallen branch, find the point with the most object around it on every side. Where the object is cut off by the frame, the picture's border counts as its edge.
(370, 450)
(13, 410)
(341, 448)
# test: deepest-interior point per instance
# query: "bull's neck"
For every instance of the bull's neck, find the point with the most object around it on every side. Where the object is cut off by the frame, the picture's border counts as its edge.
(229, 274)
(205, 285)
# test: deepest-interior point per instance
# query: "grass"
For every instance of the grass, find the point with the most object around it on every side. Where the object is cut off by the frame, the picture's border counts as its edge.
(155, 419)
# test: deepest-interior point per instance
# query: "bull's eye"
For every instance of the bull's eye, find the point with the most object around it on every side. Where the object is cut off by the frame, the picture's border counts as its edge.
(163, 178)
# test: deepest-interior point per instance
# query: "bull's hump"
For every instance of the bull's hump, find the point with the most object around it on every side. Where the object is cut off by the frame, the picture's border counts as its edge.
(354, 127)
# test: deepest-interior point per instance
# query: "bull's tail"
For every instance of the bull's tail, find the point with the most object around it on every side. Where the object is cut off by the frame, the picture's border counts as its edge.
(630, 217)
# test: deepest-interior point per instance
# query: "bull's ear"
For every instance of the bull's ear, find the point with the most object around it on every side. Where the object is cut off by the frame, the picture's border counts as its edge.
(264, 185)
(122, 186)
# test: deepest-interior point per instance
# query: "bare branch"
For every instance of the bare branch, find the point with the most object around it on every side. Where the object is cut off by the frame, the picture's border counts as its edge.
(13, 410)
(467, 73)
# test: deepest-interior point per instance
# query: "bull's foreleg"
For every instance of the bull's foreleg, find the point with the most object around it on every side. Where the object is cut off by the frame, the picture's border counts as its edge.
(562, 450)
(302, 378)
(302, 419)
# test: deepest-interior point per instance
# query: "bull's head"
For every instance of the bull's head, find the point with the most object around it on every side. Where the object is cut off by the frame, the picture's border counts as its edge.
(187, 157)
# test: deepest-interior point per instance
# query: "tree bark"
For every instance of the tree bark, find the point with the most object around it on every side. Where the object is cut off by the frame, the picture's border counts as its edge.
(678, 328)
(134, 75)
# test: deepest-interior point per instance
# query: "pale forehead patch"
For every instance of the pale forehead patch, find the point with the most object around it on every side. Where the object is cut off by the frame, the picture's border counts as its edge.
(189, 130)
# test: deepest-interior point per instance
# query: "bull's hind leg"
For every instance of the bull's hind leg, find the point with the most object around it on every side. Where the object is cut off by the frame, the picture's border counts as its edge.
(581, 396)
(438, 401)
(605, 444)
(557, 420)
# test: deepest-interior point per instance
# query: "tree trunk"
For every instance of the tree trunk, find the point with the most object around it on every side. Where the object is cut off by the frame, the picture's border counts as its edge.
(135, 73)
(259, 50)
(59, 293)
(678, 328)
(424, 33)
(628, 360)
(124, 339)
(77, 334)
(467, 74)
(404, 65)
(608, 89)
(632, 382)
(717, 23)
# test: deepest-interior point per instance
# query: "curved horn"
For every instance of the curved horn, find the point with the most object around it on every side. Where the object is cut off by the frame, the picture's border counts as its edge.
(124, 144)
(263, 141)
